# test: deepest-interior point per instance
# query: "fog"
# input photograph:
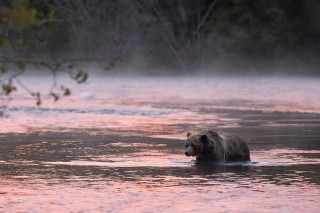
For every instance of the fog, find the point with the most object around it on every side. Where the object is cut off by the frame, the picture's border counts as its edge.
(165, 37)
(97, 97)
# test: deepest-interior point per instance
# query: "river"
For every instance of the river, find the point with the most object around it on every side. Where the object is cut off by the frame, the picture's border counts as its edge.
(117, 145)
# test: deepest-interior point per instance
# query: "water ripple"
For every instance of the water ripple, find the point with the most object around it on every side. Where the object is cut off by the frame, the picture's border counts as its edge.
(45, 111)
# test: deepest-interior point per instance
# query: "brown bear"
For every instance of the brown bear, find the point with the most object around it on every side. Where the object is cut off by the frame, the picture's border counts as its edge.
(210, 146)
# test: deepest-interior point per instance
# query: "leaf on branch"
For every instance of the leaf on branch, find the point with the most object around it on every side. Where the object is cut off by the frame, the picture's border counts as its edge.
(81, 76)
(70, 66)
(55, 97)
(66, 91)
(21, 65)
(112, 64)
(8, 88)
(38, 98)
(38, 101)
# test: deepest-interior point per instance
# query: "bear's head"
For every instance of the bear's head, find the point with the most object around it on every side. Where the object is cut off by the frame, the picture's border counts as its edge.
(195, 143)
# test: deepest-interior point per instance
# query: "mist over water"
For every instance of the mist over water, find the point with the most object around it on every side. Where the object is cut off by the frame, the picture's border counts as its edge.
(116, 145)
(114, 142)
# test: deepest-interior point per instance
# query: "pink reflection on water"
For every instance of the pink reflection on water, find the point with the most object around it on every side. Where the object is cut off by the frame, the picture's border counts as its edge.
(276, 157)
(126, 183)
(159, 104)
(170, 196)
(140, 145)
(158, 108)
(151, 158)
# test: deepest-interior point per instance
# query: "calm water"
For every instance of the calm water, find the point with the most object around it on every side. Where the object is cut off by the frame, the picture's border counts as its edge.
(117, 146)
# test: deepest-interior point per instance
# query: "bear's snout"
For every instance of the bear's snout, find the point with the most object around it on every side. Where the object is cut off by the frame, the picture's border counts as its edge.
(189, 151)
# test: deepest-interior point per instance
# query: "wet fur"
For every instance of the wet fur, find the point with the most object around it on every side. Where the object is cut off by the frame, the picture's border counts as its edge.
(217, 147)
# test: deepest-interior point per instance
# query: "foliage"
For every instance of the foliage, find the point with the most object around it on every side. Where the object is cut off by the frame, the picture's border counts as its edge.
(266, 30)
(30, 29)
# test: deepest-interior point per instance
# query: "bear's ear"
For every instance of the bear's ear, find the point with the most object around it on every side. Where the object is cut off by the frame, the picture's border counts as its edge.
(214, 134)
(188, 134)
(204, 138)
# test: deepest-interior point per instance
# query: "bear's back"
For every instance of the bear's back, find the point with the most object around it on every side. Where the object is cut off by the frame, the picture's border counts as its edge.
(235, 148)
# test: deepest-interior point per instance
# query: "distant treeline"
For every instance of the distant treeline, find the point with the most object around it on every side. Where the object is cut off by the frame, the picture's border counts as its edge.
(165, 34)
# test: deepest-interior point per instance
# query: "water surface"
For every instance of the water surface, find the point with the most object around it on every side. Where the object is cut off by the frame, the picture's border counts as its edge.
(117, 146)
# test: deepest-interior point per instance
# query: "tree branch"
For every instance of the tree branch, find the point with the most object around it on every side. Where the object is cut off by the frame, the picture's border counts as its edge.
(205, 16)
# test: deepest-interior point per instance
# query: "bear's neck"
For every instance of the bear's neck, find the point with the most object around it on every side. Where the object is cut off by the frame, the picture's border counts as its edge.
(212, 151)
